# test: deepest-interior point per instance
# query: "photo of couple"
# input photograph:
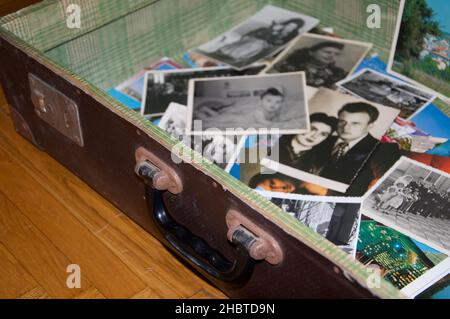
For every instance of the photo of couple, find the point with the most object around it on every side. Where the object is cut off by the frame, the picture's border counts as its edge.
(343, 135)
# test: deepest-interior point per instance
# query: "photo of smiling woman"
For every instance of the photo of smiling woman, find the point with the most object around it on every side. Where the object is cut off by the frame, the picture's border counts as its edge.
(326, 60)
(303, 151)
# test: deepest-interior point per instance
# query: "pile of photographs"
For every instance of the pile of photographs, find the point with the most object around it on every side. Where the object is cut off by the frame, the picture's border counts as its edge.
(355, 153)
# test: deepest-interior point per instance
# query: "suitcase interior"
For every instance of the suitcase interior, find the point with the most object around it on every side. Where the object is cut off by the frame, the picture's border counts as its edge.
(118, 39)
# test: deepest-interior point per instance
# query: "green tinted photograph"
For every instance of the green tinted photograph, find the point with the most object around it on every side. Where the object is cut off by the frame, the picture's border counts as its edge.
(423, 46)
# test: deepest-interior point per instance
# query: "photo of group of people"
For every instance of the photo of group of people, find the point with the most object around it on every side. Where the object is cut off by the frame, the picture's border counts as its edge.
(415, 199)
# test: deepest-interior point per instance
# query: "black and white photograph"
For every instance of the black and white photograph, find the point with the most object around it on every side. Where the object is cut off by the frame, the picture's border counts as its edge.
(174, 120)
(260, 36)
(336, 221)
(382, 89)
(413, 198)
(221, 150)
(344, 132)
(164, 87)
(248, 105)
(326, 60)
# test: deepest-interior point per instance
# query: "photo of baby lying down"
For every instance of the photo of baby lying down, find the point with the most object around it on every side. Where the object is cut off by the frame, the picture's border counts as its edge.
(247, 104)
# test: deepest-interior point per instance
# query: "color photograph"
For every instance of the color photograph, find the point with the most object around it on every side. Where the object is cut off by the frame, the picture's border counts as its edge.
(421, 52)
(439, 290)
(400, 259)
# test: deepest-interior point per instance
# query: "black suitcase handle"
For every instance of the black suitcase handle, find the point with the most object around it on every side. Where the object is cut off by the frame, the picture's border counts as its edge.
(250, 241)
(195, 250)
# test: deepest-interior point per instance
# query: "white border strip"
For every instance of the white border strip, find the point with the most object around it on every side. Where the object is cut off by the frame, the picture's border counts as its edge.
(311, 198)
(304, 176)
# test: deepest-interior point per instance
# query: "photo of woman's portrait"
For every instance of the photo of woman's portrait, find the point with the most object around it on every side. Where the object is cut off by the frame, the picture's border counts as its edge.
(302, 151)
(326, 60)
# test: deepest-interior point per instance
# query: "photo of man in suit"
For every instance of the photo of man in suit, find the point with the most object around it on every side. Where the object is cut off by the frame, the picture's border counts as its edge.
(339, 167)
(349, 150)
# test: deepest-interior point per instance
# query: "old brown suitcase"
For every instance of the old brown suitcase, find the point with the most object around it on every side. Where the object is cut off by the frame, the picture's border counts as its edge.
(55, 78)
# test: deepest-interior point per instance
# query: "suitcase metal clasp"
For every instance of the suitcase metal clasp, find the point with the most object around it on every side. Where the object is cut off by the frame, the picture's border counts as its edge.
(56, 109)
(260, 245)
(163, 177)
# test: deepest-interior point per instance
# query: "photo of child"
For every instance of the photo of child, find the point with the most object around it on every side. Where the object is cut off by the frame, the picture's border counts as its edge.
(271, 101)
(243, 105)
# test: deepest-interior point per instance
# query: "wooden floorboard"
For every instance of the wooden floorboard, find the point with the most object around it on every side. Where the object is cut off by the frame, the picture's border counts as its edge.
(49, 219)
(16, 280)
(32, 250)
